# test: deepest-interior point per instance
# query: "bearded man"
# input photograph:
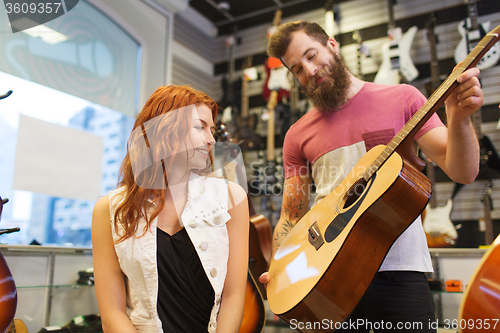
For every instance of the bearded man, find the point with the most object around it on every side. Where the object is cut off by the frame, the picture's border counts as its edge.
(349, 118)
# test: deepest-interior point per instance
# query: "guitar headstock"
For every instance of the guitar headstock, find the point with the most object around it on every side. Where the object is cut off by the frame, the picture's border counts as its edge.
(221, 133)
(487, 191)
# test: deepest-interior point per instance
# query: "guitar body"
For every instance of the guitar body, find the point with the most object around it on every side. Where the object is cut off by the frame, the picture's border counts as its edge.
(439, 230)
(18, 326)
(397, 66)
(481, 301)
(311, 281)
(260, 248)
(8, 296)
(254, 313)
(462, 49)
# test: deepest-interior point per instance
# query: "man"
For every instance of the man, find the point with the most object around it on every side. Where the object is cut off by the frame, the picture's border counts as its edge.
(350, 117)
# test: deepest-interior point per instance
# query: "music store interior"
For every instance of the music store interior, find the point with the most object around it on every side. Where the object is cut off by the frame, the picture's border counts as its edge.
(71, 87)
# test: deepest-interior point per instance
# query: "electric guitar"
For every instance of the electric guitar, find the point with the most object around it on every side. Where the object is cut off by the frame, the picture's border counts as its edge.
(8, 291)
(472, 32)
(397, 66)
(481, 303)
(329, 258)
(276, 73)
(439, 230)
(269, 177)
(359, 41)
(488, 207)
(246, 123)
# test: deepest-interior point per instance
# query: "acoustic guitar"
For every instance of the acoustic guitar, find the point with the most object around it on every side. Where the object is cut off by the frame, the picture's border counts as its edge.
(480, 306)
(328, 260)
(254, 312)
(17, 326)
(8, 292)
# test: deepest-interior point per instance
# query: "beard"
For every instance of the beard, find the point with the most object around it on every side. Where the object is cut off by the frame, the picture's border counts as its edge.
(331, 93)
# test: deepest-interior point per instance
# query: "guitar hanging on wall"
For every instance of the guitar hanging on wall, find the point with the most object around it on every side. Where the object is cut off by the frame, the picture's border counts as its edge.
(246, 122)
(320, 270)
(397, 66)
(472, 32)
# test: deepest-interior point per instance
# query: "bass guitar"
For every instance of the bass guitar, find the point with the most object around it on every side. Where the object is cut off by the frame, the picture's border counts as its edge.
(8, 291)
(472, 32)
(328, 260)
(481, 304)
(397, 66)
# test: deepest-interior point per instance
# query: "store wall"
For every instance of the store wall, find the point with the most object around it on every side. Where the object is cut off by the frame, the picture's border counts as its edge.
(371, 18)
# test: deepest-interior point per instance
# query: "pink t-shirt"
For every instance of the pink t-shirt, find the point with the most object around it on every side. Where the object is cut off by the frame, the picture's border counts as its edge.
(329, 145)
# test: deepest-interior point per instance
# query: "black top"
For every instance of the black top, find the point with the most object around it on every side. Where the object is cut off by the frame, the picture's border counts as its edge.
(185, 295)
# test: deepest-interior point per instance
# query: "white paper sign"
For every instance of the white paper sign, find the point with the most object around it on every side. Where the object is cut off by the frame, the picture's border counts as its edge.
(58, 161)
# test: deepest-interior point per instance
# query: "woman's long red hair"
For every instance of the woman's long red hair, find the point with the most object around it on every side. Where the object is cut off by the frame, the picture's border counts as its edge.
(136, 202)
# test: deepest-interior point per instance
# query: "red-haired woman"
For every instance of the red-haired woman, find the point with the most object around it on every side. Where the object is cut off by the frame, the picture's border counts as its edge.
(170, 244)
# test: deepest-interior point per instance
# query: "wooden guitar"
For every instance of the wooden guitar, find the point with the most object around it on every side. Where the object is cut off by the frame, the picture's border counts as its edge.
(397, 66)
(269, 177)
(254, 312)
(481, 301)
(246, 123)
(472, 32)
(8, 291)
(328, 260)
(17, 326)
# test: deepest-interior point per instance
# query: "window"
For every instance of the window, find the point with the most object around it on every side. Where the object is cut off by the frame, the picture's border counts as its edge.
(87, 83)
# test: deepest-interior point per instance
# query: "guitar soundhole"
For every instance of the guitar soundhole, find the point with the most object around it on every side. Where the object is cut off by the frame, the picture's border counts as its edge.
(354, 192)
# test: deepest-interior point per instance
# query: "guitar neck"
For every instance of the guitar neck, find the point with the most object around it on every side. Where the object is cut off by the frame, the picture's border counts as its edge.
(270, 125)
(431, 175)
(244, 97)
(392, 21)
(433, 103)
(431, 36)
(472, 10)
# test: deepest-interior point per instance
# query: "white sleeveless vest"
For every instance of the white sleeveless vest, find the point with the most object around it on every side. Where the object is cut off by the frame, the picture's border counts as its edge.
(204, 218)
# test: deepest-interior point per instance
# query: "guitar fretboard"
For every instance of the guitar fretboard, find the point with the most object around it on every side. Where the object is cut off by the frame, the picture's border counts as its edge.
(433, 103)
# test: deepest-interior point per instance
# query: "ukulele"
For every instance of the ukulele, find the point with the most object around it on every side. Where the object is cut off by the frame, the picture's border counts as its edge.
(329, 258)
(397, 66)
(8, 291)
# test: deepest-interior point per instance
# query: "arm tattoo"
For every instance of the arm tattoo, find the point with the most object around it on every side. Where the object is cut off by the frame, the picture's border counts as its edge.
(294, 200)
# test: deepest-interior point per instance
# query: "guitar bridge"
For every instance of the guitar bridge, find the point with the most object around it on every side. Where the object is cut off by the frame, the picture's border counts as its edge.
(315, 237)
